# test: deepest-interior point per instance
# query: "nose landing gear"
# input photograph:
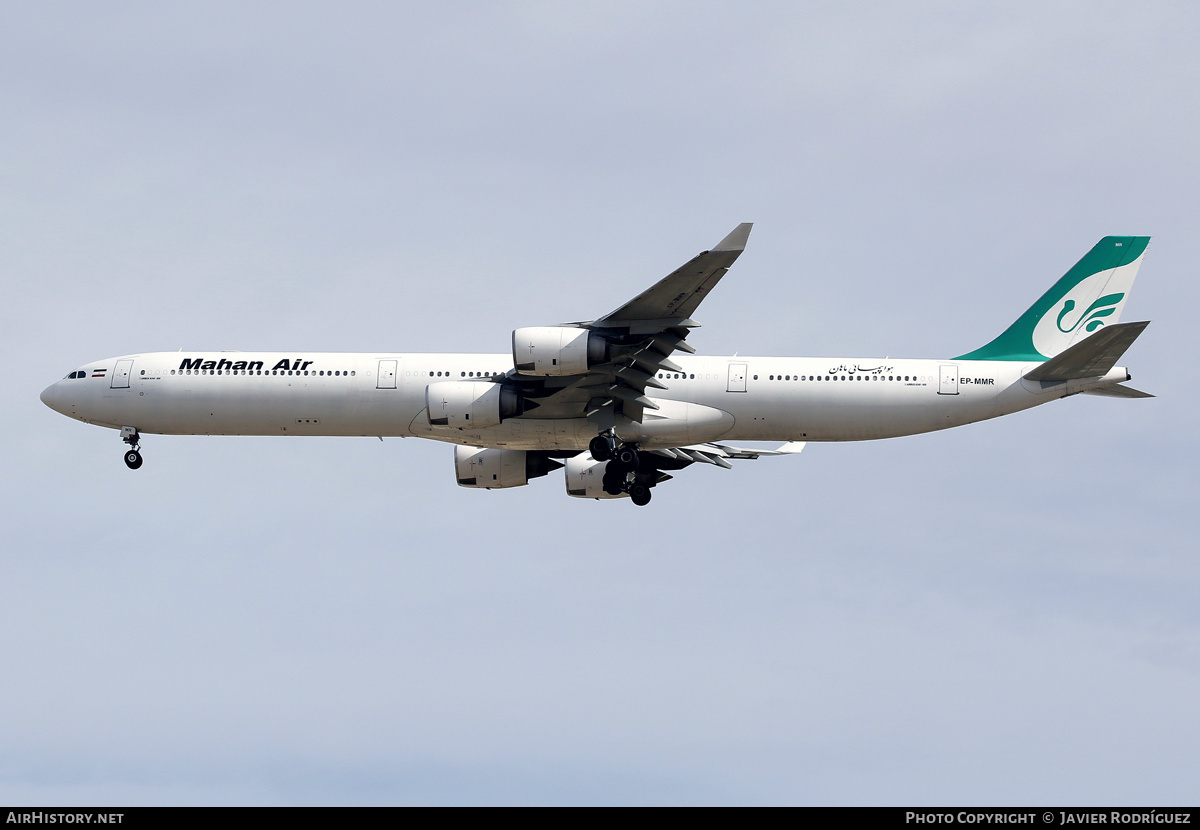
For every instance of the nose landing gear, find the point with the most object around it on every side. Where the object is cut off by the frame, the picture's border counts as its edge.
(133, 458)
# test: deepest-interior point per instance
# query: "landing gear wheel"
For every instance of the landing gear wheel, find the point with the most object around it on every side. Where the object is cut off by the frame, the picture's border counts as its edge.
(640, 494)
(628, 458)
(133, 459)
(613, 482)
(599, 448)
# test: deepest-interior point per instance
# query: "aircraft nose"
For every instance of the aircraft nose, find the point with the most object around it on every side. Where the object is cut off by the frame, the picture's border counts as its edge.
(49, 396)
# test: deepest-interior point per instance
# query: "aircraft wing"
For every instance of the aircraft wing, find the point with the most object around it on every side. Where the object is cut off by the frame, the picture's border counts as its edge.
(671, 301)
(642, 334)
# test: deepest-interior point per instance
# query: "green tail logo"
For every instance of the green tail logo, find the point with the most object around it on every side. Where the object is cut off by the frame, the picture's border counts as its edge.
(1091, 319)
(1068, 312)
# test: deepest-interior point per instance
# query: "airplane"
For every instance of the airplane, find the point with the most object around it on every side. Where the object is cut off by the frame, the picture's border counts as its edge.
(622, 401)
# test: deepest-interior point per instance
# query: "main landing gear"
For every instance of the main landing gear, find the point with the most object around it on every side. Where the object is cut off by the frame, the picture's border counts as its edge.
(133, 458)
(621, 474)
(601, 447)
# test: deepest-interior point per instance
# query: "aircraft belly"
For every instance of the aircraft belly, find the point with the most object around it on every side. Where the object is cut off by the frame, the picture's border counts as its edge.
(514, 434)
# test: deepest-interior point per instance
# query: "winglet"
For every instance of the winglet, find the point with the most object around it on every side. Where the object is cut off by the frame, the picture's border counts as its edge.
(736, 241)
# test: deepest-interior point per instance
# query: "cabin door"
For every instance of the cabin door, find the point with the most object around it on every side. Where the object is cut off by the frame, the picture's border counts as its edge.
(948, 380)
(120, 375)
(386, 378)
(737, 377)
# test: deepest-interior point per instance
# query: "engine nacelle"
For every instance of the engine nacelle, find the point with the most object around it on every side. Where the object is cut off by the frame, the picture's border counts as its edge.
(496, 469)
(557, 350)
(470, 404)
(585, 478)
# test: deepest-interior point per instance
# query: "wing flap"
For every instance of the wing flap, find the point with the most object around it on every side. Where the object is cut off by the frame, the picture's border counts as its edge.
(718, 453)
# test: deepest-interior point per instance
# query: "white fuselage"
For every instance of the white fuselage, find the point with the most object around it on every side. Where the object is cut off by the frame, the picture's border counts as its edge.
(726, 398)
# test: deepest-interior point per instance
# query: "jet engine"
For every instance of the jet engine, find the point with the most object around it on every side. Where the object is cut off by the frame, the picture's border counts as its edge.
(470, 404)
(554, 351)
(496, 469)
(585, 478)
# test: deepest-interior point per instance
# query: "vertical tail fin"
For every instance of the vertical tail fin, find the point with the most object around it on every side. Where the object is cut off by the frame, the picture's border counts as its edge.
(1092, 294)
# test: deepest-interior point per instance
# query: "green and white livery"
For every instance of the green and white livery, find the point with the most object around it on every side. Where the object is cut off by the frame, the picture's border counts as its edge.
(1088, 297)
(623, 401)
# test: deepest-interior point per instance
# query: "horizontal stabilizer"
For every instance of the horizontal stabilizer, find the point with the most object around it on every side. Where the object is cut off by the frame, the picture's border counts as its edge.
(1117, 390)
(1091, 357)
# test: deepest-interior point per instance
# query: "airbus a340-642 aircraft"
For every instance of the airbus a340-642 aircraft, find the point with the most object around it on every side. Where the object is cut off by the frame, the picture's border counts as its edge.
(610, 400)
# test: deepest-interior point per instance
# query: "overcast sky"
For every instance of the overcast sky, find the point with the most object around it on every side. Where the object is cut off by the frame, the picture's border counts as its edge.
(1003, 613)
